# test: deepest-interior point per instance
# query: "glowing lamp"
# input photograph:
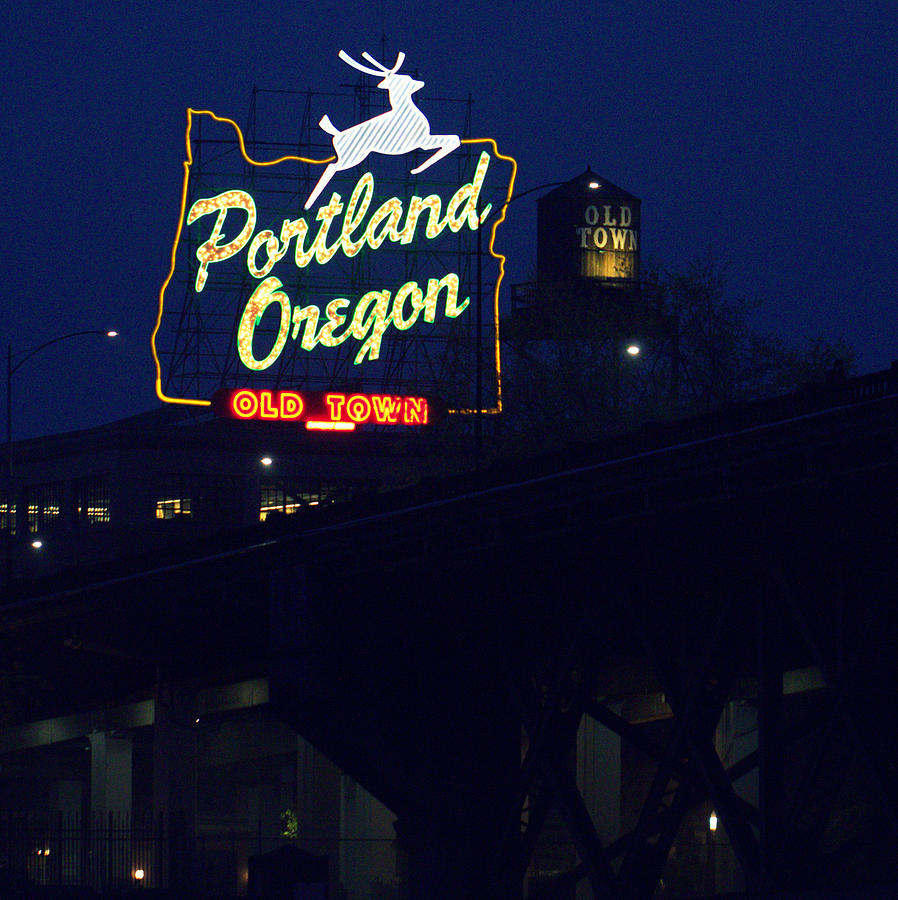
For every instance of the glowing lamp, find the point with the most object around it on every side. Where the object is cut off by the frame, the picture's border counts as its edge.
(712, 821)
(266, 460)
(594, 185)
(37, 543)
(111, 334)
(633, 349)
(139, 874)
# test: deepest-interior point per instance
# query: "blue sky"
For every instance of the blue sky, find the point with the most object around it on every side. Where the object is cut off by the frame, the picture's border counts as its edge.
(763, 132)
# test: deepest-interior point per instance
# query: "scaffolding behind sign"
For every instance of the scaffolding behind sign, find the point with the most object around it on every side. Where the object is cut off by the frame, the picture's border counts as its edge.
(425, 278)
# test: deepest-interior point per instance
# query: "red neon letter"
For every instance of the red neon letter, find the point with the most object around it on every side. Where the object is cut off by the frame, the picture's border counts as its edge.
(335, 403)
(266, 410)
(244, 404)
(358, 408)
(415, 412)
(290, 405)
(386, 409)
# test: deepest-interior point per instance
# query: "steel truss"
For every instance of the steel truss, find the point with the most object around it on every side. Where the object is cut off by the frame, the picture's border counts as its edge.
(778, 842)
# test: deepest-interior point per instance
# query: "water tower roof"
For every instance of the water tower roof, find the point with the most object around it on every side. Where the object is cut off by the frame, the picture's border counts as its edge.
(588, 184)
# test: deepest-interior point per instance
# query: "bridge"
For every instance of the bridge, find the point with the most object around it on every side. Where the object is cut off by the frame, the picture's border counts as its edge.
(716, 596)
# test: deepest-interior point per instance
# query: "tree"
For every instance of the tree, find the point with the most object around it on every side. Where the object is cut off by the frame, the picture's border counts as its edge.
(568, 376)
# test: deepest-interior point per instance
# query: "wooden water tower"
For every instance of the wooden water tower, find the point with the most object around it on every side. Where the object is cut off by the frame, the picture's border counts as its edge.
(588, 229)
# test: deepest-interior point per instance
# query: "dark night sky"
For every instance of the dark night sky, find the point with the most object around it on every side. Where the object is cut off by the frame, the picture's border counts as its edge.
(764, 131)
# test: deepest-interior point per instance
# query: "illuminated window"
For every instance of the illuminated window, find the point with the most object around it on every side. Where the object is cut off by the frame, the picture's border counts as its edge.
(173, 498)
(44, 505)
(280, 498)
(207, 498)
(7, 515)
(91, 500)
(275, 499)
(172, 507)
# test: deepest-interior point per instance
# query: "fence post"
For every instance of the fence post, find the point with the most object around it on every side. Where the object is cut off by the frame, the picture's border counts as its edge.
(58, 851)
(162, 852)
(106, 848)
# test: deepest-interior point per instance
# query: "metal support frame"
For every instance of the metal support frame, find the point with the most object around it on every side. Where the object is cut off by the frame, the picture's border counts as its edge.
(197, 340)
(777, 846)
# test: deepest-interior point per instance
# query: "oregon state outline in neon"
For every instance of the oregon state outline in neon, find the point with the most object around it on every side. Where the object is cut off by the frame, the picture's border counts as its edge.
(382, 134)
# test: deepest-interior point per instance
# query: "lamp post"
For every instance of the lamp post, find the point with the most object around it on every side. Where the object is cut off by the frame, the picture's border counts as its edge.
(14, 362)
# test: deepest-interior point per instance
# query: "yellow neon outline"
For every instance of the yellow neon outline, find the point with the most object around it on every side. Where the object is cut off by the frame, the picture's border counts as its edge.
(174, 250)
(501, 259)
(171, 271)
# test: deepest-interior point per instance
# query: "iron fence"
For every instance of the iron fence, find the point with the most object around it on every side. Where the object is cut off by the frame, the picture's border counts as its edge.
(118, 853)
(103, 853)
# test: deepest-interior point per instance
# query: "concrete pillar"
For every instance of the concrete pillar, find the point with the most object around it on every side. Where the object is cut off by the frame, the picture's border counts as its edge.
(175, 751)
(598, 776)
(110, 805)
(110, 774)
(599, 782)
(735, 738)
(174, 778)
(367, 841)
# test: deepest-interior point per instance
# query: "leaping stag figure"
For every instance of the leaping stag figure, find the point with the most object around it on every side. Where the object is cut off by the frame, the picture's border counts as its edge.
(399, 130)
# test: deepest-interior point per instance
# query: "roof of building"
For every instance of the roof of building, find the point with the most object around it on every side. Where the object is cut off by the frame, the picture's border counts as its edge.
(580, 186)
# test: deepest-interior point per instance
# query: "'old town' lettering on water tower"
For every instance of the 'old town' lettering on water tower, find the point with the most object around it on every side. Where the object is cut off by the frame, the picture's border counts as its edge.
(604, 230)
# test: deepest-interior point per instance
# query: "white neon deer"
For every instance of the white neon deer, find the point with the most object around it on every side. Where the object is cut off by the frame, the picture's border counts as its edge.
(399, 130)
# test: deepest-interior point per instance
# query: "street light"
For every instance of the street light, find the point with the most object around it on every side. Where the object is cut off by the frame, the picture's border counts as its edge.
(14, 362)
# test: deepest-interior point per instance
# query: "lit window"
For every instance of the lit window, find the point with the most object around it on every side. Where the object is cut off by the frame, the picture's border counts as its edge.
(212, 499)
(44, 505)
(172, 508)
(278, 497)
(91, 496)
(275, 499)
(7, 515)
(174, 496)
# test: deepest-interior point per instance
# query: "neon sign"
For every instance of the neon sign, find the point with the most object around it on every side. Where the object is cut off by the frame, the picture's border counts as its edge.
(323, 410)
(374, 312)
(284, 271)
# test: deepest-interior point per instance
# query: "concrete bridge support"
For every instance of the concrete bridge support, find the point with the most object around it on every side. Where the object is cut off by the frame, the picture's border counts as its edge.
(174, 778)
(110, 774)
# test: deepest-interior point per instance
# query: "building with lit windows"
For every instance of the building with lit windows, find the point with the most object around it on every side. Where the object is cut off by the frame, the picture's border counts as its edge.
(173, 475)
